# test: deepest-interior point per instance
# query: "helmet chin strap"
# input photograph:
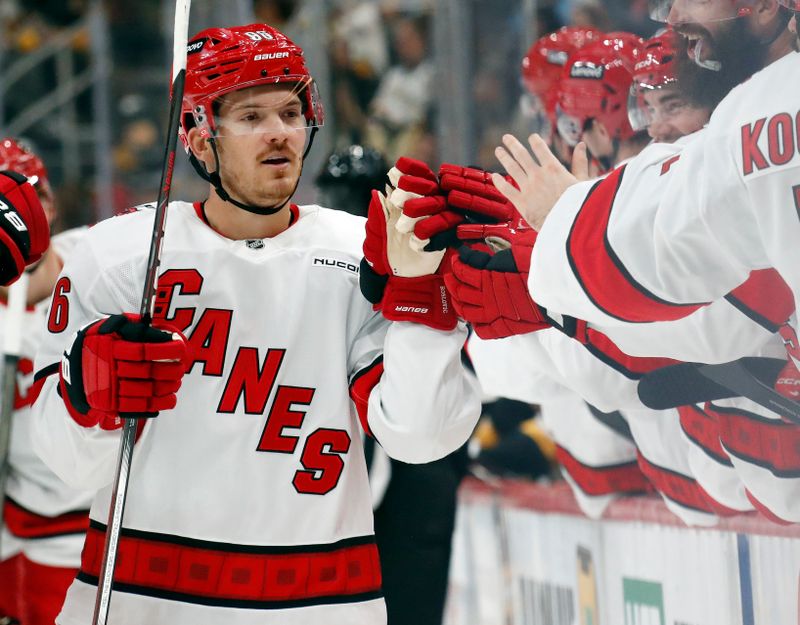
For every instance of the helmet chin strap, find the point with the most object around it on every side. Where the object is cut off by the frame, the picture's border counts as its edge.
(216, 181)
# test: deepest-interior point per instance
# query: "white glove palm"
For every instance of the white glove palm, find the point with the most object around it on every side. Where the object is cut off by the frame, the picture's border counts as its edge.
(403, 249)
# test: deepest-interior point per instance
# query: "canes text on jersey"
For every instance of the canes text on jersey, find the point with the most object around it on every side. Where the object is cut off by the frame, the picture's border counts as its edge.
(252, 380)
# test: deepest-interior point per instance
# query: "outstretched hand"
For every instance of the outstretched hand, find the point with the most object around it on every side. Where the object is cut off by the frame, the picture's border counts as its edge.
(541, 178)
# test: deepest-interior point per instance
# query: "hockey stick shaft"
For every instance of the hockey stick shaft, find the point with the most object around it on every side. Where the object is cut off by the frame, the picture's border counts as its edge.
(128, 436)
(12, 343)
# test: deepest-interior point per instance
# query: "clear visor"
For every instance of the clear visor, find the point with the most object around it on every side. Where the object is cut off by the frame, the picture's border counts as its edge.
(263, 108)
(649, 104)
(699, 11)
(569, 127)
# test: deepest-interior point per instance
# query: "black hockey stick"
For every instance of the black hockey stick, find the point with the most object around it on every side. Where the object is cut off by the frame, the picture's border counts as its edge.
(12, 339)
(691, 383)
(754, 378)
(128, 437)
(679, 385)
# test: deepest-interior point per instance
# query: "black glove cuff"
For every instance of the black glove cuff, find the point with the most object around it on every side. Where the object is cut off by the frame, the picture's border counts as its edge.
(372, 284)
(72, 374)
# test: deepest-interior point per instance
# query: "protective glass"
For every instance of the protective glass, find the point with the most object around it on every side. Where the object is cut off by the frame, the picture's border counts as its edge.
(700, 11)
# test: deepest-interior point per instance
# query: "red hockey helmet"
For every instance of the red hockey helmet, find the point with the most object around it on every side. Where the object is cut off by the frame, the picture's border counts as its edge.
(223, 60)
(655, 66)
(542, 65)
(654, 70)
(18, 158)
(595, 84)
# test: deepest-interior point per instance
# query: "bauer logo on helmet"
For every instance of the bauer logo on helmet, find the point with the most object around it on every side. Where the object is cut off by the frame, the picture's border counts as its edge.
(270, 56)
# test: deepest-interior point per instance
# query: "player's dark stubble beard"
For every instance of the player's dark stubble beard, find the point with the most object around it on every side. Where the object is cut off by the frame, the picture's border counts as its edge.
(739, 51)
(238, 188)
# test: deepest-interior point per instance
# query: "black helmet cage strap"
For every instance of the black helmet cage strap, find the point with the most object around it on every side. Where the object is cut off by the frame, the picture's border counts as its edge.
(216, 181)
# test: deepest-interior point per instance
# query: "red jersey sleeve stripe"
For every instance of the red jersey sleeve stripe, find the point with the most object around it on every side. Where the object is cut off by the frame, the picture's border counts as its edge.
(24, 523)
(38, 381)
(601, 274)
(360, 388)
(765, 298)
(632, 367)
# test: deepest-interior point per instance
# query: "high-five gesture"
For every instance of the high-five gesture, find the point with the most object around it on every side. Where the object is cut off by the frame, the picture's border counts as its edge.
(540, 176)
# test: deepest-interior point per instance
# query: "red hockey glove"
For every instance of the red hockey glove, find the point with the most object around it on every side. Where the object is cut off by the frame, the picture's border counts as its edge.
(24, 232)
(473, 192)
(490, 290)
(418, 195)
(400, 280)
(119, 367)
(462, 195)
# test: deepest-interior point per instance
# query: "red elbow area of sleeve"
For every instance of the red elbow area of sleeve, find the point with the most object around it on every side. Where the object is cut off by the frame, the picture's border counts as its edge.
(361, 387)
(632, 367)
(765, 298)
(601, 274)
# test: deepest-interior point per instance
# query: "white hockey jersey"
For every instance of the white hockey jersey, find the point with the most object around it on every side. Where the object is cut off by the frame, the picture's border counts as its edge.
(599, 463)
(249, 502)
(43, 518)
(683, 224)
(664, 453)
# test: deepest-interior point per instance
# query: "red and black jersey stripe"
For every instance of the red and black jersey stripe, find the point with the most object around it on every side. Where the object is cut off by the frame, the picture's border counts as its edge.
(209, 573)
(600, 272)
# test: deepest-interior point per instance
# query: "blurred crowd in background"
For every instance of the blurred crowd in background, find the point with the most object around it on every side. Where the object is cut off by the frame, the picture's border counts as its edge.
(384, 84)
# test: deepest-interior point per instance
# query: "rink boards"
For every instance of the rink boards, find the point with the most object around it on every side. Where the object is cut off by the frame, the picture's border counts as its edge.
(523, 555)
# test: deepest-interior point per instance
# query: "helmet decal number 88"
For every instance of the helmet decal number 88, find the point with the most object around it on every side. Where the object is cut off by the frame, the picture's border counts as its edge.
(259, 35)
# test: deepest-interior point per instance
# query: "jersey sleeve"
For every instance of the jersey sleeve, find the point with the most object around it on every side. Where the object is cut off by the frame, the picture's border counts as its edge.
(632, 247)
(666, 234)
(426, 403)
(516, 367)
(82, 457)
(737, 325)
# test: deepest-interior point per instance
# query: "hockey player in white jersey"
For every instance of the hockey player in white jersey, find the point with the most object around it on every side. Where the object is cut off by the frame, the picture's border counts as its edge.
(248, 499)
(595, 268)
(44, 521)
(730, 205)
(24, 231)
